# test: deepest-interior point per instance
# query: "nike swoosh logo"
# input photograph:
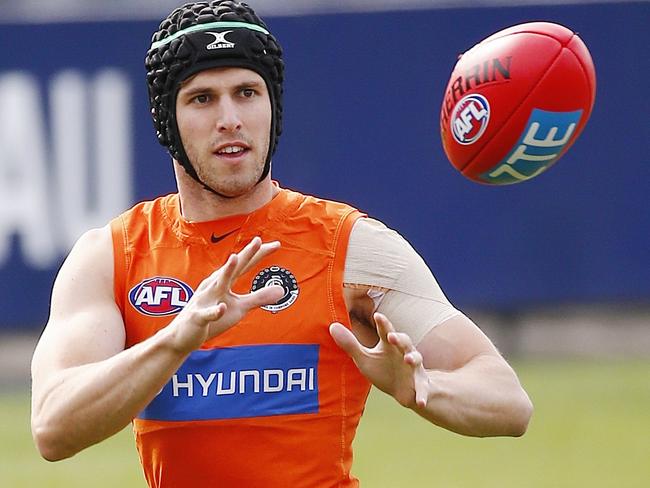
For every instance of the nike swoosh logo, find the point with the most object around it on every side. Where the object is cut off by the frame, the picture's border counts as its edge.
(214, 239)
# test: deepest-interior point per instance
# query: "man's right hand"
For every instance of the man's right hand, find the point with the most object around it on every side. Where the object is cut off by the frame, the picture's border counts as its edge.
(86, 385)
(214, 308)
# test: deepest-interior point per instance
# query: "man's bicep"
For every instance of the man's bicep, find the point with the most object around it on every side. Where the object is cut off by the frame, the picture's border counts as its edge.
(91, 334)
(453, 343)
(85, 324)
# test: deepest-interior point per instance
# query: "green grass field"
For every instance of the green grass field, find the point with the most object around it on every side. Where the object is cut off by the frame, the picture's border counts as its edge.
(591, 428)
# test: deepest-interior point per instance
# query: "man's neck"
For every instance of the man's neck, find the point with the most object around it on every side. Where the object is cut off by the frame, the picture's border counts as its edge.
(201, 205)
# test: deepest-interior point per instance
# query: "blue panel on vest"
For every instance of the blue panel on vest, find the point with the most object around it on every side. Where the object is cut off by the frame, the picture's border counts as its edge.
(240, 382)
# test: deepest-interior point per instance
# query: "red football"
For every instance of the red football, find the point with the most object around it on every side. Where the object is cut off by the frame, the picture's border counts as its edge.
(516, 102)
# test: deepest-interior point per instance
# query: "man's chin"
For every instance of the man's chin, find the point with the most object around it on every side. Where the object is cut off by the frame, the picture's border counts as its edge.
(234, 190)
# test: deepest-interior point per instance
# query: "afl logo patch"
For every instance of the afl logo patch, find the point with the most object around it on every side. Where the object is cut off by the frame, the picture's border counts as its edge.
(470, 118)
(160, 296)
(275, 275)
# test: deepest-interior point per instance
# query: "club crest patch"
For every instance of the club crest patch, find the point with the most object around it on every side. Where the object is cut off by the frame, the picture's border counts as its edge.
(275, 275)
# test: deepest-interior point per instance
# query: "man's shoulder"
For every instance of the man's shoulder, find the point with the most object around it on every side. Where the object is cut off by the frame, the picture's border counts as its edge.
(147, 220)
(153, 208)
(311, 221)
(308, 202)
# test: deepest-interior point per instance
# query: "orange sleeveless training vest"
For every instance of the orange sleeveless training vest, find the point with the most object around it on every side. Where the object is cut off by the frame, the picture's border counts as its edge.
(272, 402)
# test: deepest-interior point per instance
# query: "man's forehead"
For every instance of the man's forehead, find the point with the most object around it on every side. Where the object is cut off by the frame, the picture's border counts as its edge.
(223, 76)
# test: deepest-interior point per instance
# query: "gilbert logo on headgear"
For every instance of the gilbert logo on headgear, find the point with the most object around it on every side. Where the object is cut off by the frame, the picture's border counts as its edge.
(220, 41)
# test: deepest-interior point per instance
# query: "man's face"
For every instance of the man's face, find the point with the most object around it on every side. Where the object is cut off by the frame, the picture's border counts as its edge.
(224, 120)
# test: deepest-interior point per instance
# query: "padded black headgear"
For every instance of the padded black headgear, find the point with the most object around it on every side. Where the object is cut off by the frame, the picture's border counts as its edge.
(203, 35)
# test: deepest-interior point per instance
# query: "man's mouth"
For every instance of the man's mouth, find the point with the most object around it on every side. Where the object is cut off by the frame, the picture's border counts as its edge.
(231, 150)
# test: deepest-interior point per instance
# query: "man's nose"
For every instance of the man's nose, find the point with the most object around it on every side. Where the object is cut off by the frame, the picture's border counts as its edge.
(229, 119)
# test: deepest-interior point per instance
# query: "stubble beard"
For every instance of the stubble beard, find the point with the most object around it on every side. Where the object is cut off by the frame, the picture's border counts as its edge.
(231, 185)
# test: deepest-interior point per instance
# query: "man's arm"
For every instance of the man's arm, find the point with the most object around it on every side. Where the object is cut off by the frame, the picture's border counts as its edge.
(471, 388)
(85, 385)
(455, 378)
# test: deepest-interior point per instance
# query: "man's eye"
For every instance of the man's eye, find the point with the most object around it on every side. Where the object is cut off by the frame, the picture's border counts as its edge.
(248, 92)
(201, 99)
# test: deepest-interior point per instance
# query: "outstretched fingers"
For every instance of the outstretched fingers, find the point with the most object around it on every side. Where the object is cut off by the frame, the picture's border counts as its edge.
(247, 253)
(421, 385)
(420, 377)
(264, 296)
(346, 340)
(264, 250)
(401, 341)
(253, 252)
(213, 313)
(237, 264)
(411, 357)
(224, 277)
(383, 325)
(387, 333)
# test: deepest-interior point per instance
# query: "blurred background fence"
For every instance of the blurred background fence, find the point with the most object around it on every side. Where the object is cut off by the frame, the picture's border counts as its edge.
(362, 96)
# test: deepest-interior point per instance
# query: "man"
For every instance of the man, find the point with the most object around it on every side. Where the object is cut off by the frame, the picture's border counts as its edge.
(239, 325)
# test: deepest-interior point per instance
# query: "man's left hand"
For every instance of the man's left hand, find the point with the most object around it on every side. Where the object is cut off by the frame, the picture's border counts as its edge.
(393, 365)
